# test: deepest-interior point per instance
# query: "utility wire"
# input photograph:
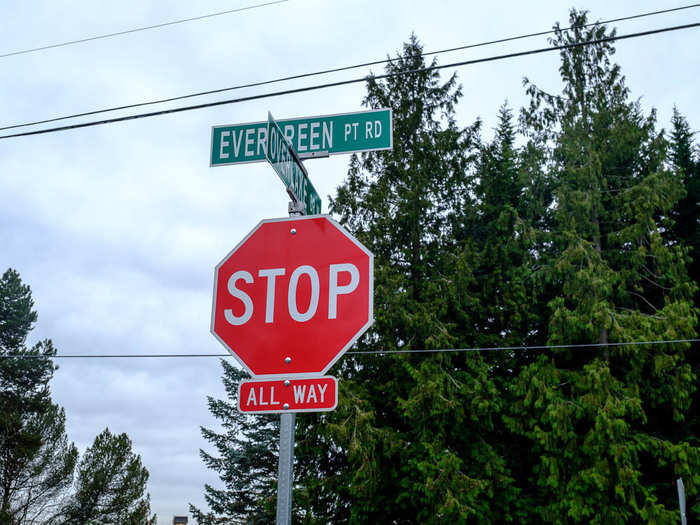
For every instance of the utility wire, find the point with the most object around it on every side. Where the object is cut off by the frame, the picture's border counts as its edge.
(368, 352)
(136, 30)
(333, 70)
(352, 81)
(522, 348)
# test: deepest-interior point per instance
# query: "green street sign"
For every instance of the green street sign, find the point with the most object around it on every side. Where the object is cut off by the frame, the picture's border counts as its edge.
(289, 168)
(309, 136)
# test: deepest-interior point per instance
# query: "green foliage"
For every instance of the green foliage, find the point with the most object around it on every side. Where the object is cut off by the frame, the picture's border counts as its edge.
(685, 233)
(421, 426)
(110, 486)
(246, 461)
(603, 423)
(16, 315)
(685, 163)
(577, 228)
(37, 463)
(36, 460)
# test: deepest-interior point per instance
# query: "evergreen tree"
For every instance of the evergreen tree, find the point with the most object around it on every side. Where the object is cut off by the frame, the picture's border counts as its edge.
(36, 460)
(414, 426)
(110, 486)
(686, 166)
(506, 249)
(686, 214)
(246, 462)
(503, 299)
(604, 423)
(37, 463)
(571, 239)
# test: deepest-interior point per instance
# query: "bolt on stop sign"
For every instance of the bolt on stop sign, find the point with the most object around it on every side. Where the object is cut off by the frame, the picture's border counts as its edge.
(293, 296)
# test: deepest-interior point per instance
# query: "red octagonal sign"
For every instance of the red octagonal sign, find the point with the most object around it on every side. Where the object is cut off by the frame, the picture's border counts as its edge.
(293, 296)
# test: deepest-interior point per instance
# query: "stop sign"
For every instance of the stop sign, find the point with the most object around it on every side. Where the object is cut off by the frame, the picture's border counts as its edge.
(293, 296)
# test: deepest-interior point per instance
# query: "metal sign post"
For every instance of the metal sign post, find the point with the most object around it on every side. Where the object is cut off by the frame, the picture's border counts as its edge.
(681, 500)
(285, 474)
(285, 478)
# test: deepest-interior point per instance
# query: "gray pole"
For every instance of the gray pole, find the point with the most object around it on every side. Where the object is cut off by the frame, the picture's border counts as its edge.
(681, 500)
(285, 479)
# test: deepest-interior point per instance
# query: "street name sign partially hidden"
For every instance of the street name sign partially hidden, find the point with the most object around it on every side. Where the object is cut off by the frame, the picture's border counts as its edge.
(289, 168)
(292, 297)
(309, 136)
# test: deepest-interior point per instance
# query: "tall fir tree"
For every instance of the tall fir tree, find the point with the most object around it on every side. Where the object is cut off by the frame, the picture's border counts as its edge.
(503, 297)
(110, 488)
(604, 423)
(564, 240)
(507, 247)
(37, 462)
(685, 162)
(414, 426)
(36, 459)
(245, 460)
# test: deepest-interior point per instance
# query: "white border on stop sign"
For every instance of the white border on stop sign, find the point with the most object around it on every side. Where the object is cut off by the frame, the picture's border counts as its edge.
(353, 340)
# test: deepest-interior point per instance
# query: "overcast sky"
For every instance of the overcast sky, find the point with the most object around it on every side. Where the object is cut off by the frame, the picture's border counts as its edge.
(118, 228)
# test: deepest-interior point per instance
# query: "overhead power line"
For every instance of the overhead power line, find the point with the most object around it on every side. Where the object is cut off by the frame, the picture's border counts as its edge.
(351, 81)
(138, 29)
(332, 70)
(372, 352)
(525, 348)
